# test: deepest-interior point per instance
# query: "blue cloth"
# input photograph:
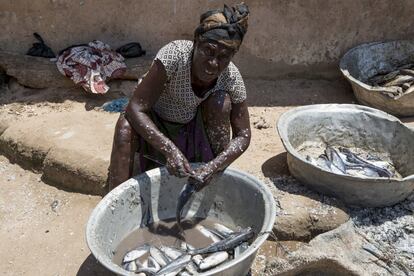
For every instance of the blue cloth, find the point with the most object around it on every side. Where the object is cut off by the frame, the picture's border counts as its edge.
(117, 105)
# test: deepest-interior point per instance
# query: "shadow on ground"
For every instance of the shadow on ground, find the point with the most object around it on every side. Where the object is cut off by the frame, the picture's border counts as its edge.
(13, 92)
(91, 267)
(276, 166)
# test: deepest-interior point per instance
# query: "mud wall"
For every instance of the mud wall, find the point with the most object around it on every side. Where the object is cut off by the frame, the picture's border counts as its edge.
(287, 38)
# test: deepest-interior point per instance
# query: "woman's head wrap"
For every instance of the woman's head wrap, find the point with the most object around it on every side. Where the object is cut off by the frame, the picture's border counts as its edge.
(227, 26)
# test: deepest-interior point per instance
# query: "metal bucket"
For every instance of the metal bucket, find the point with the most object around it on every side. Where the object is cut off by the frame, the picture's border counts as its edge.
(234, 198)
(362, 62)
(350, 126)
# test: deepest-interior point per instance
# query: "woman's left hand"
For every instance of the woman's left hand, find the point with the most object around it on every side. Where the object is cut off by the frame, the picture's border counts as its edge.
(204, 173)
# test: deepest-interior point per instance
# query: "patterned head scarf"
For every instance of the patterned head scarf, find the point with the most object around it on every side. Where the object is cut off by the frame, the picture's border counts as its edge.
(227, 26)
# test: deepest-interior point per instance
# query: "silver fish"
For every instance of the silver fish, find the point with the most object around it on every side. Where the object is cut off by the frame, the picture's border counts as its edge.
(207, 233)
(175, 266)
(192, 268)
(231, 242)
(240, 249)
(131, 266)
(186, 246)
(185, 194)
(214, 260)
(197, 259)
(222, 229)
(335, 159)
(172, 253)
(158, 256)
(399, 80)
(135, 254)
(152, 263)
(146, 271)
(351, 157)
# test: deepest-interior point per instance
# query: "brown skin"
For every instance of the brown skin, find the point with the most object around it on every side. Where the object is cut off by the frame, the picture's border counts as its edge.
(209, 60)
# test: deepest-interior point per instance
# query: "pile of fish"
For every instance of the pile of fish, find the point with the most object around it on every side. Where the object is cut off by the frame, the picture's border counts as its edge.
(186, 260)
(396, 83)
(343, 161)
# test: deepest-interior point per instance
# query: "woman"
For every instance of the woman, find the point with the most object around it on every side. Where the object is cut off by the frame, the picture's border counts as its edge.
(183, 108)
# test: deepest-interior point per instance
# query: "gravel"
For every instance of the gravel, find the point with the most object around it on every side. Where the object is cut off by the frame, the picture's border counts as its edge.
(390, 230)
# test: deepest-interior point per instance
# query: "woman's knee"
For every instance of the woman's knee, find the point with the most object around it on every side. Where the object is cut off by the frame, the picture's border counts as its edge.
(123, 132)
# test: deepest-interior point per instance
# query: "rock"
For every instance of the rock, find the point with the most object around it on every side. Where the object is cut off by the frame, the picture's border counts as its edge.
(261, 123)
(37, 72)
(302, 218)
(375, 241)
(34, 72)
(71, 149)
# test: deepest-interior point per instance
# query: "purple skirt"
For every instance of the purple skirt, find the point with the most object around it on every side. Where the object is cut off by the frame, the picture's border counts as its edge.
(191, 139)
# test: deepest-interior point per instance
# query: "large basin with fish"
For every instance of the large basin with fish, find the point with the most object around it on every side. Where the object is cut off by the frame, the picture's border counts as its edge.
(234, 198)
(312, 128)
(367, 60)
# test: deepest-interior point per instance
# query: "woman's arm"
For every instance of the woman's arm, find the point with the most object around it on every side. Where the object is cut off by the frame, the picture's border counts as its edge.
(239, 143)
(145, 96)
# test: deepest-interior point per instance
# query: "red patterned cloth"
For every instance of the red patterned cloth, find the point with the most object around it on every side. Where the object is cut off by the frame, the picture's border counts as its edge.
(90, 65)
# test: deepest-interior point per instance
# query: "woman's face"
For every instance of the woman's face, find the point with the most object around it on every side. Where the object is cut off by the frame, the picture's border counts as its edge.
(210, 59)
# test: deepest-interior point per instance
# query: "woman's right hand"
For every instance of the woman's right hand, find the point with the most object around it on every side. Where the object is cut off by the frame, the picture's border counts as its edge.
(177, 164)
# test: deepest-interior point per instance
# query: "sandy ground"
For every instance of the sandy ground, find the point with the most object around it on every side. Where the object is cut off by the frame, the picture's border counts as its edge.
(42, 228)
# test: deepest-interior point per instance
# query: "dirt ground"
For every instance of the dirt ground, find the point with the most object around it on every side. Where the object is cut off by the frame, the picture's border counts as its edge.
(42, 228)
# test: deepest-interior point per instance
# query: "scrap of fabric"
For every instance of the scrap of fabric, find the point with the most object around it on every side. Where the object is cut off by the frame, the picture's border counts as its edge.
(90, 65)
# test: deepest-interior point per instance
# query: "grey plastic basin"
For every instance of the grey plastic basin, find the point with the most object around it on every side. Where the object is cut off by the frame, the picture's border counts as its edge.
(350, 126)
(366, 60)
(234, 198)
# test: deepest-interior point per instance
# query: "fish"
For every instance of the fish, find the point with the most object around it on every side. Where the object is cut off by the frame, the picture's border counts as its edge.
(197, 259)
(135, 254)
(191, 268)
(152, 263)
(336, 163)
(379, 79)
(175, 266)
(172, 253)
(186, 246)
(187, 191)
(229, 243)
(158, 256)
(240, 249)
(399, 80)
(207, 233)
(147, 271)
(223, 230)
(407, 71)
(130, 266)
(351, 157)
(213, 260)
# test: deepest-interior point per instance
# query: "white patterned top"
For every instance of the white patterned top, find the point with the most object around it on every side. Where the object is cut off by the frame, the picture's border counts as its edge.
(178, 103)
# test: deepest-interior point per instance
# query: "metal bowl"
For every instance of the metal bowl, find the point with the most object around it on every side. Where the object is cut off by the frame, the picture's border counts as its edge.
(364, 61)
(234, 198)
(350, 126)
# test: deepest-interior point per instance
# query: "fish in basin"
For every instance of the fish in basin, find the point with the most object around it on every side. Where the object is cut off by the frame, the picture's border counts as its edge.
(185, 259)
(343, 161)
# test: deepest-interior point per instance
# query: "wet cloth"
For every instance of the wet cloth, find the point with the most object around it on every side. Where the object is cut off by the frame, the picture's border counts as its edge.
(178, 103)
(90, 65)
(190, 138)
(227, 26)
